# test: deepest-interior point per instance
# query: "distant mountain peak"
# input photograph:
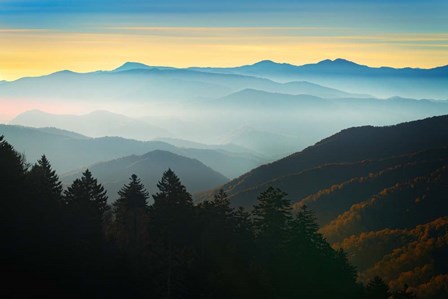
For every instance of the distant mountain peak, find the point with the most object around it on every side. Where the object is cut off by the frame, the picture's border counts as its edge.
(337, 61)
(64, 72)
(131, 66)
(342, 60)
(265, 62)
(158, 153)
(34, 112)
(268, 63)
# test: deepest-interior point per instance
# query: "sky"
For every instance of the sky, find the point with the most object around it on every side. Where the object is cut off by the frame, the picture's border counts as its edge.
(42, 36)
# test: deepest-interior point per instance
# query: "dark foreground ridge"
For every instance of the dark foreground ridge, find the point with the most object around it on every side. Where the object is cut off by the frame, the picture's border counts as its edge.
(72, 243)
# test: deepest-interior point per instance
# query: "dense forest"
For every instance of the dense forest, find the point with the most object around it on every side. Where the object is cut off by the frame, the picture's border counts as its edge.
(72, 243)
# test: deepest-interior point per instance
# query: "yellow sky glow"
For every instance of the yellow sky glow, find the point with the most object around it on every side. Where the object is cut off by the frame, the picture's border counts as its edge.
(38, 52)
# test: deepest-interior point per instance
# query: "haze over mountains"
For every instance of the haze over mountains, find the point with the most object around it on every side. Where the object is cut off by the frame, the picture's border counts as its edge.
(115, 173)
(94, 124)
(84, 151)
(353, 77)
(212, 105)
(359, 144)
(377, 192)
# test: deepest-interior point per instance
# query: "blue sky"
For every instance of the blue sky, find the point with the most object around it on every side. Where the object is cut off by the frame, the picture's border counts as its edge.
(391, 16)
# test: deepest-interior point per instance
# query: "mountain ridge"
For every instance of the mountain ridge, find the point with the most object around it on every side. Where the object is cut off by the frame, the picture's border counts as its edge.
(83, 152)
(148, 167)
(400, 139)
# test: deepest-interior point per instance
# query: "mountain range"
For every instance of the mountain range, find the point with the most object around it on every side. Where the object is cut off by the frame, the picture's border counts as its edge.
(353, 77)
(217, 105)
(349, 146)
(115, 174)
(147, 83)
(96, 124)
(268, 123)
(69, 151)
(137, 83)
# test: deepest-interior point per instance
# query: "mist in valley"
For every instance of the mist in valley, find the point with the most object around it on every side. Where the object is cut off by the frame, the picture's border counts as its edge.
(241, 110)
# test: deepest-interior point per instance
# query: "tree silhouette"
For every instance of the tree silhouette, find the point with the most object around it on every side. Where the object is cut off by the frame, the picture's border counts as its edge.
(87, 193)
(172, 225)
(272, 215)
(131, 216)
(15, 214)
(223, 249)
(47, 203)
(171, 249)
(86, 202)
(324, 271)
(46, 182)
(305, 232)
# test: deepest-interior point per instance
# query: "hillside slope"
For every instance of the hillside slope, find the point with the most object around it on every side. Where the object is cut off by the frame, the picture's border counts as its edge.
(149, 168)
(348, 146)
(68, 151)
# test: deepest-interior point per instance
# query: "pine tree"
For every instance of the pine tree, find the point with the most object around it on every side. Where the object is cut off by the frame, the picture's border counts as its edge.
(173, 226)
(172, 211)
(214, 219)
(305, 232)
(46, 185)
(172, 192)
(86, 203)
(272, 215)
(15, 208)
(221, 200)
(325, 271)
(47, 222)
(86, 193)
(12, 175)
(45, 194)
(13, 164)
(131, 216)
(217, 222)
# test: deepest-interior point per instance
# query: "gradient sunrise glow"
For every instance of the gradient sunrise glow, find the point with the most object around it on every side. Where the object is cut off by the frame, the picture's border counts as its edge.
(40, 37)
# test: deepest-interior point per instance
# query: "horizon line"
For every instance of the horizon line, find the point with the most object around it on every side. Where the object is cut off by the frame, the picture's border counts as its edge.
(221, 67)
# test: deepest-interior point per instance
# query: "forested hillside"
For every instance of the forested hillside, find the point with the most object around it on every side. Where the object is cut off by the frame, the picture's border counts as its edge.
(377, 192)
(73, 243)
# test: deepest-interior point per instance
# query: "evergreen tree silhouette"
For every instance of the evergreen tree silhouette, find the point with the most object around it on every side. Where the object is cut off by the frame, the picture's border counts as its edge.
(272, 216)
(12, 179)
(221, 251)
(48, 210)
(87, 193)
(324, 271)
(131, 216)
(173, 223)
(222, 202)
(306, 230)
(46, 182)
(206, 251)
(171, 192)
(86, 201)
(14, 204)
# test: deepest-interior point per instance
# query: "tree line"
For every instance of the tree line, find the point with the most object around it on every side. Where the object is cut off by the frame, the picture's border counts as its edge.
(72, 243)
